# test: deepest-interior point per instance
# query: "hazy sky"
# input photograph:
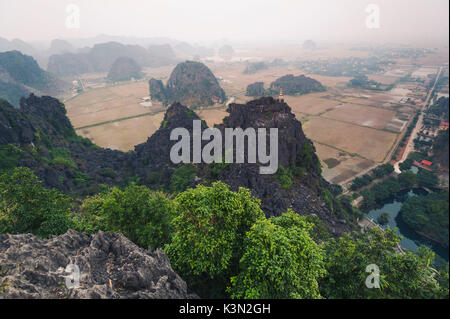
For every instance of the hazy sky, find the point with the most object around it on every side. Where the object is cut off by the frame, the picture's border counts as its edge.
(406, 21)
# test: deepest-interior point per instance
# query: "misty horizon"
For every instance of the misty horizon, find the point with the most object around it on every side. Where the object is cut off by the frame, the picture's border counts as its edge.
(415, 22)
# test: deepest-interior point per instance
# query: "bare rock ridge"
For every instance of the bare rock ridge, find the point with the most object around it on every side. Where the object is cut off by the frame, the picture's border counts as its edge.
(110, 265)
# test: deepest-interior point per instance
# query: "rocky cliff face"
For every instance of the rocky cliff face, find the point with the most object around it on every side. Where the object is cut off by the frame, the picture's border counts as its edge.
(123, 69)
(110, 266)
(157, 90)
(296, 85)
(43, 135)
(255, 89)
(192, 84)
(295, 152)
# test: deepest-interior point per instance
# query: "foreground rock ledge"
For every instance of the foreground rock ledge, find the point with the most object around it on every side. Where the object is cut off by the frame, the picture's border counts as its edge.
(111, 266)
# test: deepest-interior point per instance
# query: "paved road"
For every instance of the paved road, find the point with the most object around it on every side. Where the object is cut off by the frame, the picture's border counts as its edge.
(410, 146)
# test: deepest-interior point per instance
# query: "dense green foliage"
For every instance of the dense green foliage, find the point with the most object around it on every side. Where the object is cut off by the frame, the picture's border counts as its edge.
(27, 207)
(366, 179)
(428, 216)
(427, 178)
(222, 244)
(384, 218)
(284, 177)
(406, 165)
(401, 275)
(280, 260)
(137, 212)
(181, 178)
(210, 228)
(391, 186)
(10, 155)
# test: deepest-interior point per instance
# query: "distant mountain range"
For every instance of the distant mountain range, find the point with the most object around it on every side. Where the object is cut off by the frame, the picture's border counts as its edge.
(20, 75)
(102, 56)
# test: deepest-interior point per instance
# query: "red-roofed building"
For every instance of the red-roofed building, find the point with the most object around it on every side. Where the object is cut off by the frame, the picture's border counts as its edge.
(425, 162)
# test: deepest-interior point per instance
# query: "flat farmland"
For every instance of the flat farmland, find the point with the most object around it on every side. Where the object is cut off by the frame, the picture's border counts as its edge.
(330, 81)
(361, 115)
(367, 142)
(339, 166)
(383, 79)
(312, 104)
(108, 104)
(123, 135)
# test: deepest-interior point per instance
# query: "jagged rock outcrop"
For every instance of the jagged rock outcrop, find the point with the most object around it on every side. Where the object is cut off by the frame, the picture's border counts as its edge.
(157, 90)
(192, 84)
(295, 152)
(296, 85)
(124, 69)
(43, 133)
(110, 266)
(255, 89)
(156, 150)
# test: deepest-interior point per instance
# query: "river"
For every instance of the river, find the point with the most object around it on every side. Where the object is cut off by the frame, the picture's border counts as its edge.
(410, 240)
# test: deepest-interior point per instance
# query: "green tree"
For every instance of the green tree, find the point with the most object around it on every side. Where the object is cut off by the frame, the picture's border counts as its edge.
(27, 207)
(407, 179)
(280, 260)
(210, 228)
(181, 177)
(427, 179)
(142, 215)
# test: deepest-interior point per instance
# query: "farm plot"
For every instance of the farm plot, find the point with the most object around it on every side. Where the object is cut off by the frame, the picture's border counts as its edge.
(108, 104)
(123, 135)
(312, 104)
(361, 115)
(339, 166)
(367, 142)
